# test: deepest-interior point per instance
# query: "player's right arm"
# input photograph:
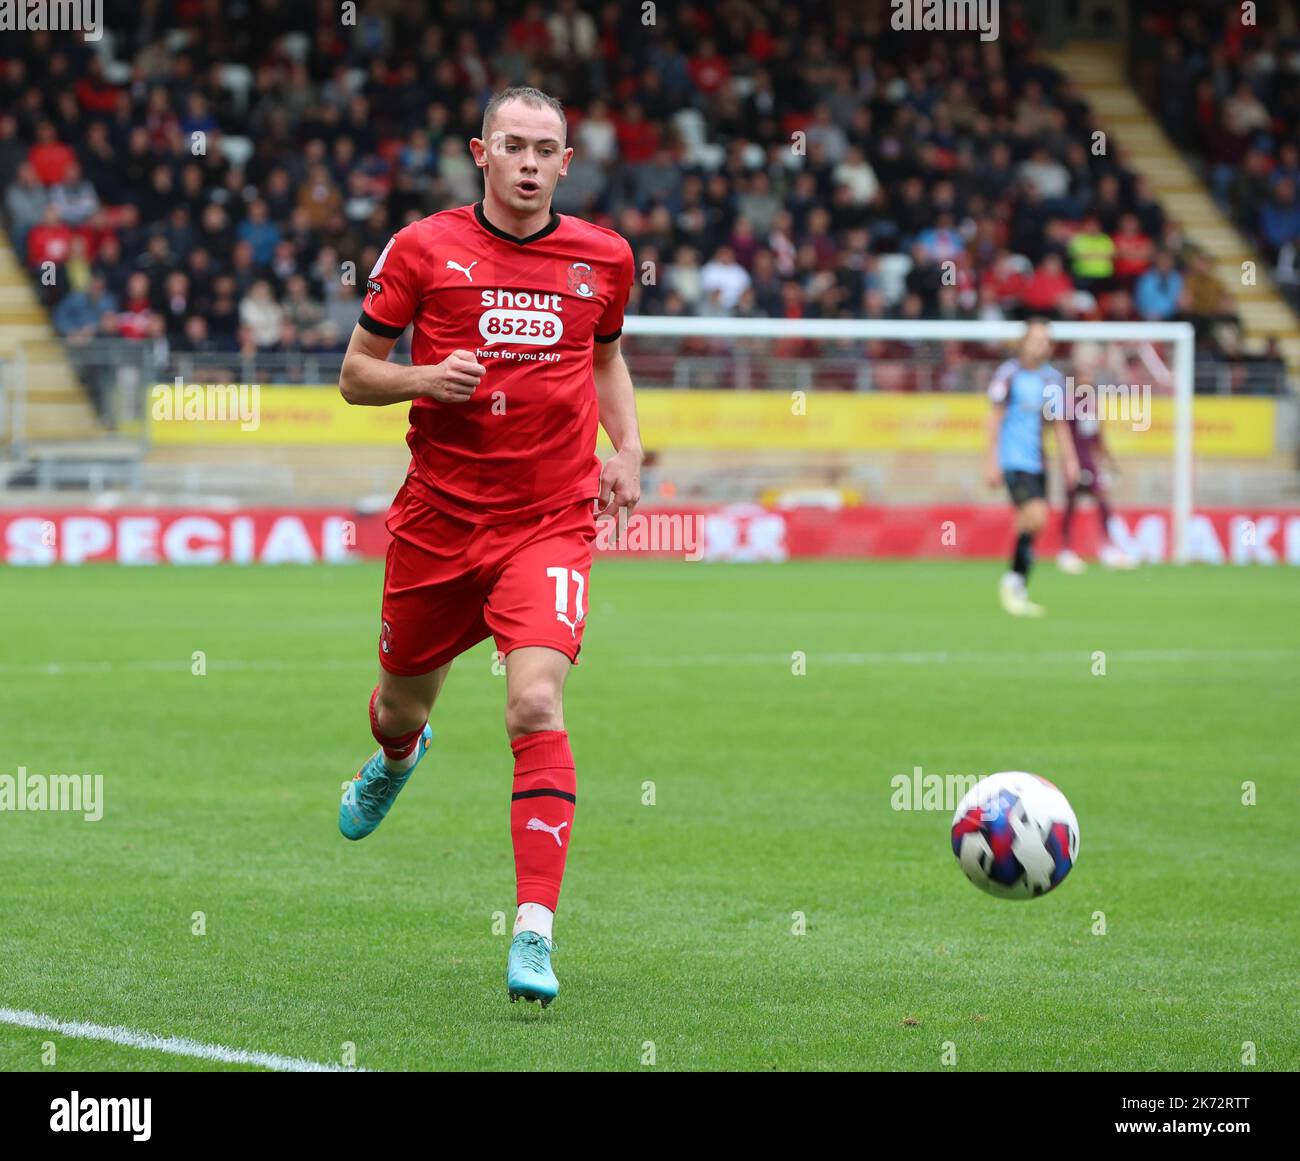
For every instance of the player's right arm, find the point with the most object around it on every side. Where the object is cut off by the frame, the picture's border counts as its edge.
(370, 380)
(999, 391)
(394, 292)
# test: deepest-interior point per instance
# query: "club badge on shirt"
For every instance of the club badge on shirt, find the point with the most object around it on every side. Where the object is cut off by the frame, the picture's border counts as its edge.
(582, 279)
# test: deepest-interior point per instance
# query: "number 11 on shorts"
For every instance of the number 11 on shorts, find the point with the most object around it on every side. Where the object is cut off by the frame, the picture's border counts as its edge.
(561, 578)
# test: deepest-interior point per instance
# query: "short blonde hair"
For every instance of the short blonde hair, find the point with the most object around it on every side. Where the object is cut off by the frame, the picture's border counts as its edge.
(529, 96)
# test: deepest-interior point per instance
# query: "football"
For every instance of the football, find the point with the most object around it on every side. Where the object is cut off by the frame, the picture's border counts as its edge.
(1015, 835)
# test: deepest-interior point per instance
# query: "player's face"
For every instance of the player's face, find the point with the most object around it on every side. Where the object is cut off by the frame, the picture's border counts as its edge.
(524, 156)
(1037, 345)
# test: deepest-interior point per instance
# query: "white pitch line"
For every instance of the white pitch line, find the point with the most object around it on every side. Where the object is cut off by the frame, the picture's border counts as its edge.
(175, 1045)
(68, 668)
(685, 658)
(952, 658)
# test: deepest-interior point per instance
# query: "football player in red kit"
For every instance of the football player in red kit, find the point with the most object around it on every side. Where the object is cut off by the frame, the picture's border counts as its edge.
(515, 359)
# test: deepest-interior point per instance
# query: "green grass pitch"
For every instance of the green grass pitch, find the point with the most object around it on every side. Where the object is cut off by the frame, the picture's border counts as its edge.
(677, 927)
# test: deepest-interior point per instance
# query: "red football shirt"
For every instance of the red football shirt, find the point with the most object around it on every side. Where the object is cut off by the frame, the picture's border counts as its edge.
(530, 309)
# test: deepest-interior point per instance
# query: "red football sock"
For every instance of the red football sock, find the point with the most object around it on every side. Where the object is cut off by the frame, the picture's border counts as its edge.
(541, 814)
(398, 747)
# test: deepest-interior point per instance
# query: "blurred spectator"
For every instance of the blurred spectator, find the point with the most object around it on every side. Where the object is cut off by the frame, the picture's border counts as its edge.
(1047, 288)
(300, 308)
(50, 241)
(571, 32)
(684, 277)
(855, 174)
(1279, 218)
(1243, 113)
(1092, 256)
(1005, 281)
(49, 157)
(74, 197)
(1048, 177)
(724, 280)
(941, 242)
(1159, 290)
(1201, 290)
(25, 202)
(319, 198)
(136, 318)
(259, 232)
(709, 70)
(638, 139)
(176, 303)
(1225, 329)
(80, 315)
(1134, 250)
(77, 271)
(596, 139)
(261, 314)
(13, 153)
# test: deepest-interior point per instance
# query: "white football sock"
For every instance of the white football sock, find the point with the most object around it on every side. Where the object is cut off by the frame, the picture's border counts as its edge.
(402, 765)
(534, 917)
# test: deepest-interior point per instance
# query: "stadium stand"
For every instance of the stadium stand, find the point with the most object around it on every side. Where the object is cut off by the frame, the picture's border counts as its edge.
(199, 185)
(210, 185)
(1227, 92)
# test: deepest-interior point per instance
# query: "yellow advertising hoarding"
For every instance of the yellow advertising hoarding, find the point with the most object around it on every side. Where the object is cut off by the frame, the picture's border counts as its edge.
(812, 421)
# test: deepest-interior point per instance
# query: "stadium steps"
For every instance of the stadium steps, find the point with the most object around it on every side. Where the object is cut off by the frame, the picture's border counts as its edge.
(69, 470)
(56, 406)
(1097, 68)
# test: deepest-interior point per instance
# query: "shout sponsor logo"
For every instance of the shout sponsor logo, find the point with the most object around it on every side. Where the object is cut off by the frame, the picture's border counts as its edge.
(527, 317)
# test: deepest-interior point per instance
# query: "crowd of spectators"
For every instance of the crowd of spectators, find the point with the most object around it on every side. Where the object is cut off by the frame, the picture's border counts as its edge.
(218, 178)
(1224, 79)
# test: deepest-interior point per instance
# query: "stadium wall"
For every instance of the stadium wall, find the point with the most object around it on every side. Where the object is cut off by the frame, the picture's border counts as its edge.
(725, 420)
(730, 533)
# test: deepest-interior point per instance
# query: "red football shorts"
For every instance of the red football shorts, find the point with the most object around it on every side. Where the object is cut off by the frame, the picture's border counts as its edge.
(449, 584)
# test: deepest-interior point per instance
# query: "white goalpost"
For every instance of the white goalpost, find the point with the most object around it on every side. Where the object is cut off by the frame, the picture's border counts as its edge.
(1179, 336)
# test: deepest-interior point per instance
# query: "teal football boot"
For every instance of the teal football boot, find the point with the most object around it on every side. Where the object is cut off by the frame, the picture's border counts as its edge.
(371, 792)
(528, 971)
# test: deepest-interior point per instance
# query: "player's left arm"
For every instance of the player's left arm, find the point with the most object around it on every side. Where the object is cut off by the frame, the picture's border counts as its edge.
(620, 477)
